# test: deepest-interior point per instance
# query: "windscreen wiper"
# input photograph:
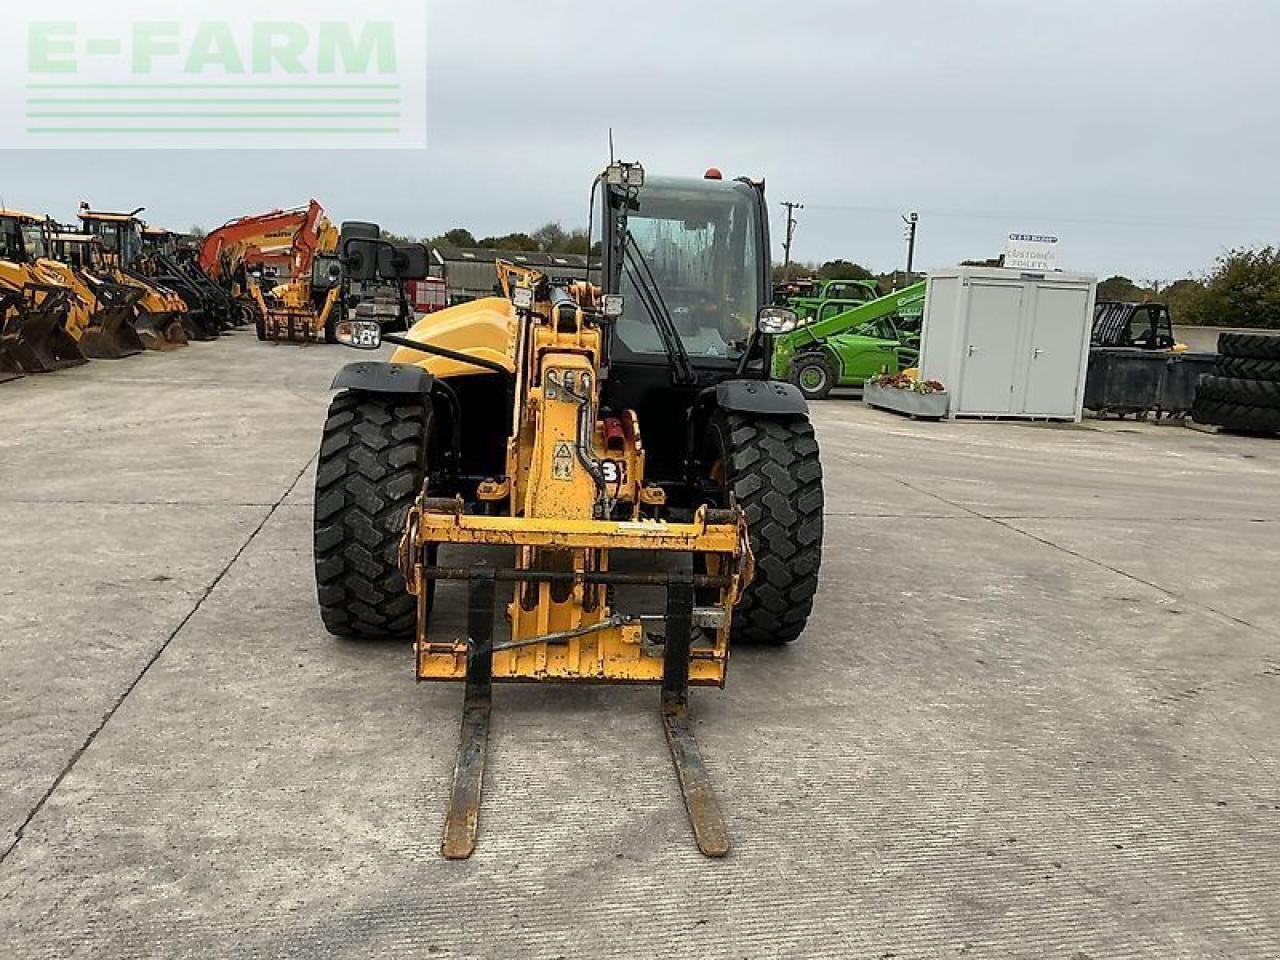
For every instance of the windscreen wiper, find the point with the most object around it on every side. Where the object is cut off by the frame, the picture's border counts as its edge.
(656, 307)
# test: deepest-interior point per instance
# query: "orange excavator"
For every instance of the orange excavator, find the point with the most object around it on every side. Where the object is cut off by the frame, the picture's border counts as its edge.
(268, 260)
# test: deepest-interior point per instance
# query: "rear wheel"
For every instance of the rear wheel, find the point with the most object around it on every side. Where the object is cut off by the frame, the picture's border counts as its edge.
(373, 460)
(770, 468)
(812, 373)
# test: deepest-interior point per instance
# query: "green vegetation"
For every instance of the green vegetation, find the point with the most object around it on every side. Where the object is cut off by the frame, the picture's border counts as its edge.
(551, 237)
(1241, 289)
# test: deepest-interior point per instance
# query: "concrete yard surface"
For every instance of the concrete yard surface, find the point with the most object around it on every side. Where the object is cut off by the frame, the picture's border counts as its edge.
(1034, 713)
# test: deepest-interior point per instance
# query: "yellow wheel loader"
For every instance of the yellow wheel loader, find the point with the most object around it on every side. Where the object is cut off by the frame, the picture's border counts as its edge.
(157, 313)
(615, 439)
(103, 316)
(40, 307)
(123, 252)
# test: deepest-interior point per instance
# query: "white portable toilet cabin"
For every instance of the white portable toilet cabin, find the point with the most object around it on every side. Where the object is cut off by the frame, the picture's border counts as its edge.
(1008, 343)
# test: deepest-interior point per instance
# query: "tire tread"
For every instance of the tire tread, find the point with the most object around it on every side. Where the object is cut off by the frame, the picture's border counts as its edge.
(774, 473)
(371, 466)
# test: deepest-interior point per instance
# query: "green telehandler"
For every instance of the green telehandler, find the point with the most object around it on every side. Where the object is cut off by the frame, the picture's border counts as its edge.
(848, 348)
(826, 298)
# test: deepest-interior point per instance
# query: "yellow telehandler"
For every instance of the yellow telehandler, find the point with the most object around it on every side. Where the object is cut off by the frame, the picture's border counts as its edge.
(38, 307)
(578, 426)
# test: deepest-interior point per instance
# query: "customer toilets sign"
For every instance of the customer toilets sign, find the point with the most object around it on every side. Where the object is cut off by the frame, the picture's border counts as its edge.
(209, 74)
(1031, 251)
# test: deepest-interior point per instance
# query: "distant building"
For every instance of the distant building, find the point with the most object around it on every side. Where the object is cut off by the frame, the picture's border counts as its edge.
(471, 273)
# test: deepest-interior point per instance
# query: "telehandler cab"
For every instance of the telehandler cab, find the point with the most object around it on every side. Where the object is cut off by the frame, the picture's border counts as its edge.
(516, 421)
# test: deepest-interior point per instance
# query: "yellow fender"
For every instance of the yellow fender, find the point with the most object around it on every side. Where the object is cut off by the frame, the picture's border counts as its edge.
(485, 329)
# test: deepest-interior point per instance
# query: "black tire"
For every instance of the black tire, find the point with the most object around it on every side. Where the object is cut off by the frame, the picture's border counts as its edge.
(1247, 368)
(260, 325)
(1255, 346)
(1252, 393)
(812, 374)
(770, 467)
(1236, 416)
(371, 469)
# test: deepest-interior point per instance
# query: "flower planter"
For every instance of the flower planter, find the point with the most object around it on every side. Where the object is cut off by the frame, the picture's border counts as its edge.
(925, 406)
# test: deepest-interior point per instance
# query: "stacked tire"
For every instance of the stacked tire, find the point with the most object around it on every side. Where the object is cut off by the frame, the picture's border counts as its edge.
(1243, 393)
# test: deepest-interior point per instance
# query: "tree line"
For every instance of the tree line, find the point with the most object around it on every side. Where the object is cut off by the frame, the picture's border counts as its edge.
(551, 237)
(1240, 289)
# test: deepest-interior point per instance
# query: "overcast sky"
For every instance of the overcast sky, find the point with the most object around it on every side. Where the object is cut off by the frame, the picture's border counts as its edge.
(1143, 134)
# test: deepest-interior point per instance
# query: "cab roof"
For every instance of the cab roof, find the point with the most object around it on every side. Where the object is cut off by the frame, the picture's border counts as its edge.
(108, 216)
(72, 237)
(20, 215)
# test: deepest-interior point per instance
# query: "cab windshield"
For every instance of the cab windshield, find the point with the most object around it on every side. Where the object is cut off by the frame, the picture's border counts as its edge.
(33, 240)
(698, 240)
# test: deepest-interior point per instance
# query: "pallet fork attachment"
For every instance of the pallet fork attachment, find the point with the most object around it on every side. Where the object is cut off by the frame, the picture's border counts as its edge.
(462, 820)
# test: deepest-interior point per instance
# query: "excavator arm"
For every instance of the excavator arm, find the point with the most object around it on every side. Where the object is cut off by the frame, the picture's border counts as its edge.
(296, 229)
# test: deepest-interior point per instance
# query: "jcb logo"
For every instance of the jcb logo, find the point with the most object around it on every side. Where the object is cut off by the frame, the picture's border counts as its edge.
(217, 73)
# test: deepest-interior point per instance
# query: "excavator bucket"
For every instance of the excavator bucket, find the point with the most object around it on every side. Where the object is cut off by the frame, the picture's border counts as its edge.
(111, 334)
(160, 330)
(42, 343)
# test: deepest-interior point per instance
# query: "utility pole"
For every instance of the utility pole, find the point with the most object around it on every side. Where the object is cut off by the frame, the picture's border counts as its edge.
(792, 207)
(910, 237)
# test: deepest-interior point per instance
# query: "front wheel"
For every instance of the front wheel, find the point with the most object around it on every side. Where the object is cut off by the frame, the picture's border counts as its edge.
(813, 375)
(770, 468)
(373, 460)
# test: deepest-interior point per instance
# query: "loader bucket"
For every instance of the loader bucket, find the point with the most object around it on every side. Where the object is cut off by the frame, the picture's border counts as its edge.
(43, 344)
(161, 330)
(200, 326)
(111, 334)
(9, 367)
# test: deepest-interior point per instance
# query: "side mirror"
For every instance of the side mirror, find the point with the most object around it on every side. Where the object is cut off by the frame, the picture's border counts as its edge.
(360, 258)
(361, 229)
(410, 262)
(772, 321)
(361, 334)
